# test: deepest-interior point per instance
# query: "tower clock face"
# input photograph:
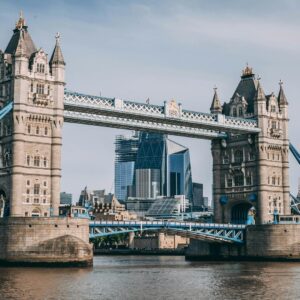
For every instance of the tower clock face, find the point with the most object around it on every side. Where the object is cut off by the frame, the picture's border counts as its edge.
(223, 143)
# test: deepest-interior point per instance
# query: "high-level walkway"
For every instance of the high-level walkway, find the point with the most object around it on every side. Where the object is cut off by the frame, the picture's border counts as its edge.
(169, 118)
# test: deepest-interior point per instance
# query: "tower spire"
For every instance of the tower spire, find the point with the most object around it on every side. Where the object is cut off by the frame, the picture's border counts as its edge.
(281, 96)
(260, 94)
(216, 107)
(57, 56)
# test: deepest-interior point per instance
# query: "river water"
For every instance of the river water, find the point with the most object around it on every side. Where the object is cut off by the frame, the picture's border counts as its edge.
(154, 277)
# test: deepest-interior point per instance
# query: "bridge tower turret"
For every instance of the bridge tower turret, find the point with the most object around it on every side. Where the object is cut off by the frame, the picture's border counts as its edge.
(30, 135)
(252, 170)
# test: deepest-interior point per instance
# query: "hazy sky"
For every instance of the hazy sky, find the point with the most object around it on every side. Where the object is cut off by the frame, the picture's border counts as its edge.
(161, 50)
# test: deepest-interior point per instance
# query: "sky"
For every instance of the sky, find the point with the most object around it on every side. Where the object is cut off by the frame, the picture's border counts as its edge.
(162, 50)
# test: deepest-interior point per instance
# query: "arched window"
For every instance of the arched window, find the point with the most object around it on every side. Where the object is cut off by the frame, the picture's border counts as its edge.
(28, 160)
(36, 189)
(31, 88)
(238, 156)
(36, 213)
(36, 161)
(234, 112)
(46, 130)
(45, 162)
(37, 130)
(28, 129)
(240, 111)
(239, 180)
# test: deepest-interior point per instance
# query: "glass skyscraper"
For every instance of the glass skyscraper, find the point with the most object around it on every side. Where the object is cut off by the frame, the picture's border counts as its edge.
(125, 156)
(149, 165)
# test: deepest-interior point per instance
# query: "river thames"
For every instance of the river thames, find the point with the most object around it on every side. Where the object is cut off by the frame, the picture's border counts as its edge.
(154, 277)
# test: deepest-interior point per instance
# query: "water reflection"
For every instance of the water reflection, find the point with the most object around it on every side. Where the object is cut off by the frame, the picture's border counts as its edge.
(154, 277)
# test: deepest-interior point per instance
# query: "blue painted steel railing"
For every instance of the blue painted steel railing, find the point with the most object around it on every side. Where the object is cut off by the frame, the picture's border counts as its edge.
(228, 233)
(5, 110)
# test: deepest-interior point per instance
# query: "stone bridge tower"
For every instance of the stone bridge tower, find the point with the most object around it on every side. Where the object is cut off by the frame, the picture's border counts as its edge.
(30, 136)
(251, 171)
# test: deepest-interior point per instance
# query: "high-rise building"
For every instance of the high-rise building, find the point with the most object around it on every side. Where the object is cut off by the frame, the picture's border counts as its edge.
(162, 168)
(198, 199)
(65, 198)
(125, 156)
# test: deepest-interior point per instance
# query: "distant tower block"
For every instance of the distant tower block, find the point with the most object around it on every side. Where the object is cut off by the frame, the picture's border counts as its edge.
(30, 172)
(252, 170)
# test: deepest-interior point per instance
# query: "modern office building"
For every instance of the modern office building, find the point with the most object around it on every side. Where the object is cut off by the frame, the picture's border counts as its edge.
(162, 168)
(65, 198)
(125, 156)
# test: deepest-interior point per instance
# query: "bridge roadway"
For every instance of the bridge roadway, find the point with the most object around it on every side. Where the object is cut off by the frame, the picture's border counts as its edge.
(169, 118)
(211, 232)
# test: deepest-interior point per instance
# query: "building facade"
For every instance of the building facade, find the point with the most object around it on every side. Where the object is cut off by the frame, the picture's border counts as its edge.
(30, 143)
(125, 156)
(252, 170)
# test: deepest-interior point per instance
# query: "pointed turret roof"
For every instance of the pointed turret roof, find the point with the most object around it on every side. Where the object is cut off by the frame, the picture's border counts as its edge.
(216, 104)
(57, 56)
(260, 94)
(281, 96)
(21, 32)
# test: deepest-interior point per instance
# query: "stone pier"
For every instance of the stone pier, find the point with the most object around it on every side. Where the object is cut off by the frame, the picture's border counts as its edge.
(45, 241)
(262, 242)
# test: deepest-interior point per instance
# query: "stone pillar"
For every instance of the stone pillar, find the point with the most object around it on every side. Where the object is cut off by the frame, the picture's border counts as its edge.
(131, 240)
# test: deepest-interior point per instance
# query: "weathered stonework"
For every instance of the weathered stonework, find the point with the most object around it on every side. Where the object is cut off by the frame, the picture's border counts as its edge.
(40, 241)
(262, 242)
(30, 136)
(251, 171)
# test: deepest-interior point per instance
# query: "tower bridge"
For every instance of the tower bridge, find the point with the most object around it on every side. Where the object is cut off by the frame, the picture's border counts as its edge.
(249, 142)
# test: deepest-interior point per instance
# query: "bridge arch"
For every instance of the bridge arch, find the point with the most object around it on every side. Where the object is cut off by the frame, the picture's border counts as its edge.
(239, 212)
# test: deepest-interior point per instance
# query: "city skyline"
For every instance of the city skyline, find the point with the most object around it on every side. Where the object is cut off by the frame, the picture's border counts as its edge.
(171, 53)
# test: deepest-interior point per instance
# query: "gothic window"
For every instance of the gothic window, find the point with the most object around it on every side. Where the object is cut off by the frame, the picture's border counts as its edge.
(273, 124)
(36, 200)
(225, 159)
(251, 156)
(31, 88)
(40, 68)
(45, 162)
(238, 156)
(229, 182)
(37, 130)
(45, 192)
(27, 200)
(28, 129)
(36, 189)
(240, 111)
(239, 180)
(27, 191)
(273, 108)
(248, 180)
(28, 182)
(45, 183)
(44, 200)
(46, 130)
(234, 112)
(278, 181)
(273, 180)
(40, 89)
(48, 89)
(1, 72)
(36, 161)
(28, 160)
